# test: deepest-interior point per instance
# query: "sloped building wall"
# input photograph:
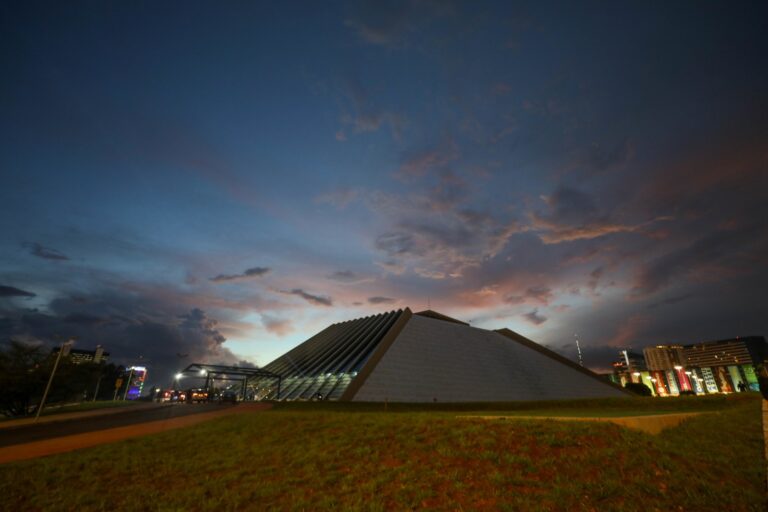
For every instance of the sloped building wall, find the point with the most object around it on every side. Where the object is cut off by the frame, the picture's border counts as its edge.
(437, 360)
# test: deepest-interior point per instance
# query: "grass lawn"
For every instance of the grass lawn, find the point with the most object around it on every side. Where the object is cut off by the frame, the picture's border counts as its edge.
(323, 456)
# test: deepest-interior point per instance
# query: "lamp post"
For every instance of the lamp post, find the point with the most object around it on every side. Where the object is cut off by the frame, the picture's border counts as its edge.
(98, 383)
(67, 343)
(128, 384)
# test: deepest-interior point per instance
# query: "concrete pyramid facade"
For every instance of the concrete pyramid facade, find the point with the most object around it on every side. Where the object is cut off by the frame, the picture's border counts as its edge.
(424, 357)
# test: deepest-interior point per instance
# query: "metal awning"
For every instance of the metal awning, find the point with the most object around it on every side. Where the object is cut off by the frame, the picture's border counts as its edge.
(214, 372)
(249, 373)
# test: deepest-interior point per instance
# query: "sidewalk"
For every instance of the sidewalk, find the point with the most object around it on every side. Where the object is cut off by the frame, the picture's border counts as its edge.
(78, 441)
(80, 414)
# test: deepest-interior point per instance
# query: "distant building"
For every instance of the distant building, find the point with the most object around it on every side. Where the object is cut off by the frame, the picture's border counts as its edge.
(663, 357)
(78, 356)
(736, 351)
(630, 367)
(138, 375)
(723, 366)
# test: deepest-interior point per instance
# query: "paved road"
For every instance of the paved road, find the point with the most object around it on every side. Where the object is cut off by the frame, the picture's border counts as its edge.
(37, 432)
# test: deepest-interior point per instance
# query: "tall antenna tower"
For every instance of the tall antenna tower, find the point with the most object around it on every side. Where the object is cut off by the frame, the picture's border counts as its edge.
(578, 350)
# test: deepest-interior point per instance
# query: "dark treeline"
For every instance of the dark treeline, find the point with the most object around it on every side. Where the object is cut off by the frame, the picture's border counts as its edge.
(24, 373)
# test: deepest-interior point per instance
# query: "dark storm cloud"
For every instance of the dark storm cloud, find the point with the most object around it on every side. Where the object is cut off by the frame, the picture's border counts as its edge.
(247, 274)
(574, 215)
(450, 191)
(540, 294)
(361, 115)
(196, 320)
(567, 204)
(446, 244)
(12, 291)
(719, 250)
(134, 328)
(534, 317)
(381, 300)
(392, 24)
(83, 319)
(601, 157)
(47, 253)
(419, 162)
(317, 300)
(347, 276)
(395, 244)
(382, 23)
(276, 325)
(670, 300)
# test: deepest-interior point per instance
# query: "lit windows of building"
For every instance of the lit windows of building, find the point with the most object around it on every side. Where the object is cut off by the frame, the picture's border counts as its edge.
(79, 356)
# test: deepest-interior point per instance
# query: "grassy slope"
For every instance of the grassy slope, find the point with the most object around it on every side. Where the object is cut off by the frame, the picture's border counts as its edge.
(304, 457)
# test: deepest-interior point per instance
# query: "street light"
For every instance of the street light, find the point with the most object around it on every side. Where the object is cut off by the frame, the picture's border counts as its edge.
(128, 385)
(176, 380)
(67, 343)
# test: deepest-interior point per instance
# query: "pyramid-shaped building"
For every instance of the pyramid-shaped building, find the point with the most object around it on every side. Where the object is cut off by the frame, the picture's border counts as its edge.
(402, 356)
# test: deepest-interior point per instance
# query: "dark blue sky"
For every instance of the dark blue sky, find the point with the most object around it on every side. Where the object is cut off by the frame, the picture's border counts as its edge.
(224, 180)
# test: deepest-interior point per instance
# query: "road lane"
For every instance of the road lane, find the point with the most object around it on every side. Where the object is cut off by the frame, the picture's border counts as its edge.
(68, 443)
(38, 432)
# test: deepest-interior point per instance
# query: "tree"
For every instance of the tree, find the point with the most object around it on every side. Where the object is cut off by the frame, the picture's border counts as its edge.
(24, 372)
(638, 388)
(22, 377)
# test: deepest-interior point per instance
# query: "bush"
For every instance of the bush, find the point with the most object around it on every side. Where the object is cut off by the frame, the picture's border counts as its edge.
(638, 388)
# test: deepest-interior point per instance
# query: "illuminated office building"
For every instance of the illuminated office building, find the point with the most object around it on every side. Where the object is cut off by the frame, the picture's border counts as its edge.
(724, 366)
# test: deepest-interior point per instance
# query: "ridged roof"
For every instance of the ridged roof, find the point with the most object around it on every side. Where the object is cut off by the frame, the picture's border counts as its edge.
(340, 348)
(346, 358)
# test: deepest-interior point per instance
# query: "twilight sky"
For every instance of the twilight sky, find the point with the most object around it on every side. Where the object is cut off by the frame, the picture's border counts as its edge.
(215, 182)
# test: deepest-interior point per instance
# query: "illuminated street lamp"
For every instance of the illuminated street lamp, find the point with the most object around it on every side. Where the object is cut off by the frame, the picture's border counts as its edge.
(176, 379)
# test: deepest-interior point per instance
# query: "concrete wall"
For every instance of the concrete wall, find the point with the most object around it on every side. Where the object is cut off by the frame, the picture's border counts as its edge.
(433, 359)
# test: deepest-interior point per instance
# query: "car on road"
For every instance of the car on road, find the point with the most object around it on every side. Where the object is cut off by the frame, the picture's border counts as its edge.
(197, 395)
(228, 396)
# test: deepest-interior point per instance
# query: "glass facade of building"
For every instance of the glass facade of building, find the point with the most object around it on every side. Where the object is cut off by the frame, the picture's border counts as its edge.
(325, 365)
